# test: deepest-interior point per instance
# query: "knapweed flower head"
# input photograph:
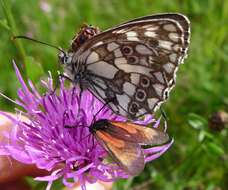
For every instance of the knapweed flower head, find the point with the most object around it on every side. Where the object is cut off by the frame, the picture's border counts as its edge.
(56, 136)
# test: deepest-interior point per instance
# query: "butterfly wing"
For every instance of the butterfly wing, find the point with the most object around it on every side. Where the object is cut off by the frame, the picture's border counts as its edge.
(127, 155)
(136, 62)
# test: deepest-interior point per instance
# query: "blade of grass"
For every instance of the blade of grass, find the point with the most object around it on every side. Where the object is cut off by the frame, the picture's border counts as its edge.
(13, 29)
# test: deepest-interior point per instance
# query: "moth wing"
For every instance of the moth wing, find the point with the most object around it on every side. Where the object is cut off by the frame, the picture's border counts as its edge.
(129, 156)
(137, 133)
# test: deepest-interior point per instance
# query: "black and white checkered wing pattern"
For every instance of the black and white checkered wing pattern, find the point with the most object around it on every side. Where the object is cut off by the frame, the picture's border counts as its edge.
(136, 62)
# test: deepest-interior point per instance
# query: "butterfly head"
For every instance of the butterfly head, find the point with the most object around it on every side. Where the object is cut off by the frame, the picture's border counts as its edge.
(65, 58)
(86, 32)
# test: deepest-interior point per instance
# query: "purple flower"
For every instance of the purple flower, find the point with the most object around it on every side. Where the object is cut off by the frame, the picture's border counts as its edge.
(56, 137)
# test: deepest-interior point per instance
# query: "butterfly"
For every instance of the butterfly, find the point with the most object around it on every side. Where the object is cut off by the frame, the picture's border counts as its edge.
(132, 66)
(123, 140)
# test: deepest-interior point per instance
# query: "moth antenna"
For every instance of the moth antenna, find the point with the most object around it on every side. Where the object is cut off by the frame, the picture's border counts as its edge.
(104, 105)
(37, 41)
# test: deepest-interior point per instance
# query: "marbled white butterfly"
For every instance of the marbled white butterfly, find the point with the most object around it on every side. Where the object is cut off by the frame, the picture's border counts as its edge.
(133, 65)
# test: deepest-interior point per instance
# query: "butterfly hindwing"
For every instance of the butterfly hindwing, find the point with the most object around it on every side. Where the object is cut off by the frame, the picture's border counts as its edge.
(135, 63)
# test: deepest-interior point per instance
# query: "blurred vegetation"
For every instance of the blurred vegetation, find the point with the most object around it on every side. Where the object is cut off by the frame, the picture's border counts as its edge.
(199, 157)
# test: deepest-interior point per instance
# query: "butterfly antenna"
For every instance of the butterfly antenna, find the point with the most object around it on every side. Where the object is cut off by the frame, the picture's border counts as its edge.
(37, 41)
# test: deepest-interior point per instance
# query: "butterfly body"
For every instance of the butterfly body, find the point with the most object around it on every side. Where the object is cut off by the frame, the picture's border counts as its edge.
(86, 32)
(134, 63)
(123, 140)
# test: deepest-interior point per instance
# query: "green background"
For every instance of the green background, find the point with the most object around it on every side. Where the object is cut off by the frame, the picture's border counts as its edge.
(199, 157)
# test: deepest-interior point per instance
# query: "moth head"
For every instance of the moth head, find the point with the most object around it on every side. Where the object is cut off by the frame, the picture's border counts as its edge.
(86, 32)
(101, 124)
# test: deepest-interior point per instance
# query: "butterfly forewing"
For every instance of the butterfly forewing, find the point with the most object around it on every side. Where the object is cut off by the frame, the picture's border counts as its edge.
(135, 63)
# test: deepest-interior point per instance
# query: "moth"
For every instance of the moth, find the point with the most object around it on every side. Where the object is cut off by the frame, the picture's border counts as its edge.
(123, 141)
(132, 66)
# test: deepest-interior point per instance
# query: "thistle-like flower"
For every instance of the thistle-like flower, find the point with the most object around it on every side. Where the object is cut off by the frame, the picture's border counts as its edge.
(57, 138)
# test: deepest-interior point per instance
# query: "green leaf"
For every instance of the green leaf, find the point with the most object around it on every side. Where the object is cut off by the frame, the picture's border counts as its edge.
(205, 135)
(215, 149)
(197, 121)
(201, 136)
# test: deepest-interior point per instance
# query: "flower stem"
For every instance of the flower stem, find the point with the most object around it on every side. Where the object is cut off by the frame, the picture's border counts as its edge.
(12, 24)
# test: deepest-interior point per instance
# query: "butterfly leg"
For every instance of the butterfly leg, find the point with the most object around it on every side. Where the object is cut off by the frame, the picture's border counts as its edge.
(80, 96)
(111, 97)
(111, 100)
(65, 77)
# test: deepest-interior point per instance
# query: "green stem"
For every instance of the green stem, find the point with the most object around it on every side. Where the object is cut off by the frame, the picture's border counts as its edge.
(11, 22)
